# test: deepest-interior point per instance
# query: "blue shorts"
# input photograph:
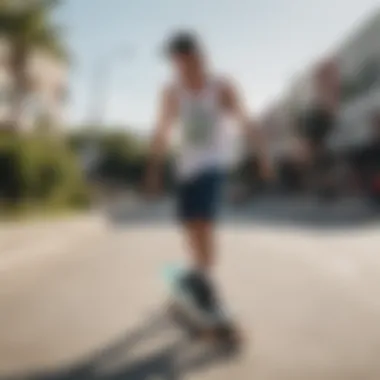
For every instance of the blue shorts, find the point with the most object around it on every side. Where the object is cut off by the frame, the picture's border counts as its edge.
(199, 198)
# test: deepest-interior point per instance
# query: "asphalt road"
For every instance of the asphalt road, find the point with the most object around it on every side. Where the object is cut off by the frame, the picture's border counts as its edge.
(84, 299)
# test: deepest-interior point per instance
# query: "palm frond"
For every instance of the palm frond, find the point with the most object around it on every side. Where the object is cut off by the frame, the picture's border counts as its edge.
(30, 26)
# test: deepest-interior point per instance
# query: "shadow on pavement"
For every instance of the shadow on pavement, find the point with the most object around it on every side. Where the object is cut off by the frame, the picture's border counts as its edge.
(175, 357)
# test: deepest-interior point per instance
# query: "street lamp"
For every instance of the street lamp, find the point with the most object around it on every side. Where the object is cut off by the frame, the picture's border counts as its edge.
(101, 83)
(98, 102)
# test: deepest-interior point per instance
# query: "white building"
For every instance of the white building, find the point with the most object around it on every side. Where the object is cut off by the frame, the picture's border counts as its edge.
(47, 78)
(358, 64)
(359, 61)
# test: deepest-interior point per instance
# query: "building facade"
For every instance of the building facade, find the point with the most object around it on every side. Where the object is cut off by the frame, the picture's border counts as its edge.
(350, 80)
(359, 60)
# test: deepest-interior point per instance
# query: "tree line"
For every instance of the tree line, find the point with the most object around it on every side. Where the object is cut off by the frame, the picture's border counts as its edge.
(121, 158)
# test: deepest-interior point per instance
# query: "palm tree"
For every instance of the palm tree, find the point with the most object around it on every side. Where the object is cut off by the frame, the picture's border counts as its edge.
(27, 26)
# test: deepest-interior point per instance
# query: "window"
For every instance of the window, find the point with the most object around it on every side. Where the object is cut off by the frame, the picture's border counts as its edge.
(363, 81)
(349, 90)
(370, 76)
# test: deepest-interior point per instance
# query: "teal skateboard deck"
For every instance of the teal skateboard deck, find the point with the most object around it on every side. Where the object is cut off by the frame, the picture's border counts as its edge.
(183, 310)
(179, 302)
(173, 274)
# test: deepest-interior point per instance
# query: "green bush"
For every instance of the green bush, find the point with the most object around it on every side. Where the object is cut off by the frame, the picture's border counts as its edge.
(41, 172)
(122, 159)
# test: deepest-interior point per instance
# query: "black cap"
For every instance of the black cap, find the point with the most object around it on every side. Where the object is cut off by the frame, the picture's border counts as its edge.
(182, 43)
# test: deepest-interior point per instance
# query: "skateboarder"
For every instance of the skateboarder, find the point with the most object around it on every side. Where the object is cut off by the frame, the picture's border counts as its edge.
(197, 102)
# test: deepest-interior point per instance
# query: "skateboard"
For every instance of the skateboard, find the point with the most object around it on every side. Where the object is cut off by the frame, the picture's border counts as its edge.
(217, 326)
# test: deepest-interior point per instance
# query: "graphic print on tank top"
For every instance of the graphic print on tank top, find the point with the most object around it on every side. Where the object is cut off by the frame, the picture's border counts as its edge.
(199, 124)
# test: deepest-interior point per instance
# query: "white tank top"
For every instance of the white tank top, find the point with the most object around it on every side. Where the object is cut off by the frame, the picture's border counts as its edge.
(201, 130)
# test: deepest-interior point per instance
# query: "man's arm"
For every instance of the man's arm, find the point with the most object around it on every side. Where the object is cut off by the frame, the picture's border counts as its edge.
(166, 116)
(255, 138)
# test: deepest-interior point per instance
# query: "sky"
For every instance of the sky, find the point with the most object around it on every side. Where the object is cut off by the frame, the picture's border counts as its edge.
(260, 43)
